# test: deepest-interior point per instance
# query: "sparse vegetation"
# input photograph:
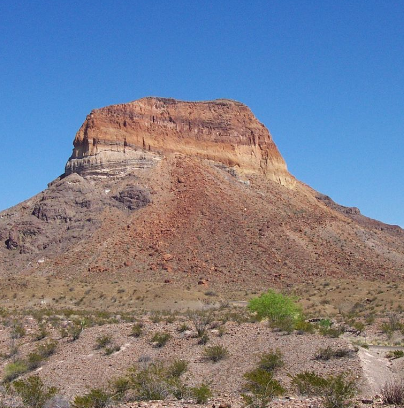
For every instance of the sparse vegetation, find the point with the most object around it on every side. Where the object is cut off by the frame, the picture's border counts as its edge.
(260, 388)
(95, 398)
(215, 353)
(395, 354)
(137, 330)
(201, 320)
(328, 353)
(393, 393)
(281, 311)
(157, 381)
(338, 391)
(103, 341)
(160, 339)
(33, 392)
(271, 361)
(309, 383)
(201, 393)
(14, 370)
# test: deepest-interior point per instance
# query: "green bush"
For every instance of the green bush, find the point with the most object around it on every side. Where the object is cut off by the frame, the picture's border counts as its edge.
(14, 370)
(120, 386)
(75, 331)
(34, 360)
(332, 332)
(136, 330)
(102, 341)
(325, 323)
(280, 310)
(160, 339)
(96, 398)
(17, 330)
(201, 393)
(42, 332)
(271, 361)
(261, 387)
(303, 326)
(395, 354)
(309, 383)
(47, 349)
(110, 350)
(338, 391)
(33, 392)
(203, 339)
(177, 368)
(328, 353)
(154, 382)
(215, 353)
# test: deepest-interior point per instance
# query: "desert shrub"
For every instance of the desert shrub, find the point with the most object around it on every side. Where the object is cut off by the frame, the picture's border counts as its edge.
(309, 383)
(47, 349)
(41, 353)
(201, 320)
(303, 326)
(177, 368)
(96, 398)
(271, 361)
(358, 326)
(338, 391)
(102, 341)
(154, 382)
(393, 393)
(395, 354)
(260, 388)
(328, 353)
(325, 323)
(203, 339)
(160, 339)
(17, 330)
(14, 370)
(119, 387)
(33, 392)
(201, 393)
(110, 350)
(42, 333)
(184, 327)
(136, 330)
(34, 360)
(75, 331)
(170, 317)
(332, 332)
(280, 310)
(215, 353)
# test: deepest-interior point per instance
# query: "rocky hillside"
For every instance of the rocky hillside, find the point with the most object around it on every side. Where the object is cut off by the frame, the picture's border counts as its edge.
(160, 190)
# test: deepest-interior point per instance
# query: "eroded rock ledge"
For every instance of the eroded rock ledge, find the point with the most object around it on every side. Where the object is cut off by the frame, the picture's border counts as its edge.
(118, 138)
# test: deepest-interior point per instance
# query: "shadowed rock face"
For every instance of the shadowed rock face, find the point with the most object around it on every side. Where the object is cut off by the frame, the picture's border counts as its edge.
(117, 138)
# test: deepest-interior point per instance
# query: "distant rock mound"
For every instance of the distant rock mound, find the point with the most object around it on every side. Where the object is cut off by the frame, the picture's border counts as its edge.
(118, 138)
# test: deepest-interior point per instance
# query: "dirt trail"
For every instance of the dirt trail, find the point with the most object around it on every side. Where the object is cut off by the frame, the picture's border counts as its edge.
(377, 369)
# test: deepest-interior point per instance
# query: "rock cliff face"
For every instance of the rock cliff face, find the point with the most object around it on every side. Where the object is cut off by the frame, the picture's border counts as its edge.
(117, 138)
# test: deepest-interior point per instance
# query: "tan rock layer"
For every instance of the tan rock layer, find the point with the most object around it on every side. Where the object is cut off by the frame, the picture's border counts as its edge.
(222, 130)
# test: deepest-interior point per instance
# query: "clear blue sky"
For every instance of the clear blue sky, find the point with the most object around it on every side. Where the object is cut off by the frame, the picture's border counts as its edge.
(326, 77)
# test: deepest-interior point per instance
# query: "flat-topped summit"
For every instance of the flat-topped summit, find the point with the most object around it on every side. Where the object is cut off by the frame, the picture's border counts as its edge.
(119, 137)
